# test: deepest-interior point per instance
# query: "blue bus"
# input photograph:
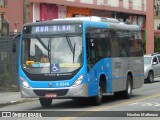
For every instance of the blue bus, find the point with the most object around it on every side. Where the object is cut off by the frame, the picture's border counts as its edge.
(83, 57)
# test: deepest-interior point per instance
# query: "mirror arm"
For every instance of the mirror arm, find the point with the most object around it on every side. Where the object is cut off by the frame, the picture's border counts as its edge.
(16, 36)
(14, 43)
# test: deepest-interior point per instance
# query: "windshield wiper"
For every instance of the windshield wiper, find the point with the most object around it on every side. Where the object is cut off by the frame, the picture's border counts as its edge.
(39, 39)
(45, 47)
(69, 43)
(74, 51)
(71, 47)
(49, 55)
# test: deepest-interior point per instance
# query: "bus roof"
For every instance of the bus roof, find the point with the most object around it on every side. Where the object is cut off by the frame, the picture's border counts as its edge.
(112, 23)
(91, 18)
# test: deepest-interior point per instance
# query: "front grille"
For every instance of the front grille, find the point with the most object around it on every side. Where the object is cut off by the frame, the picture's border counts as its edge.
(51, 77)
(42, 93)
(42, 77)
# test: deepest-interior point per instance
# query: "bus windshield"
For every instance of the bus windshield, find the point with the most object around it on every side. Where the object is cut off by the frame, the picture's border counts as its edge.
(47, 55)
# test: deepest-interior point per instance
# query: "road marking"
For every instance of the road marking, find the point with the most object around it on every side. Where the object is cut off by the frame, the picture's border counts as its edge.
(109, 107)
(146, 104)
(134, 103)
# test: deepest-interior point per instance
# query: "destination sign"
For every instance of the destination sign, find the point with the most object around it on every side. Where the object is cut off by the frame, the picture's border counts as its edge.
(55, 29)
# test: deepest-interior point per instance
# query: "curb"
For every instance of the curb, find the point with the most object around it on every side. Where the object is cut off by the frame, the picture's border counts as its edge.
(17, 102)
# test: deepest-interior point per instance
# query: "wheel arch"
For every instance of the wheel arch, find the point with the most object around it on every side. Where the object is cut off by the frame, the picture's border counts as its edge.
(131, 75)
(103, 82)
(151, 71)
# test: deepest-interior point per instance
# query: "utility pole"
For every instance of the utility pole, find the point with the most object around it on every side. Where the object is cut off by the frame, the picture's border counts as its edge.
(25, 11)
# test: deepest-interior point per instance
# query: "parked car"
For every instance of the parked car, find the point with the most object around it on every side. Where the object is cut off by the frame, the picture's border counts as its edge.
(151, 66)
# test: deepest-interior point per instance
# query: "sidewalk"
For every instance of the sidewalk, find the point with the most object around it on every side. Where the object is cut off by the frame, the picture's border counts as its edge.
(8, 98)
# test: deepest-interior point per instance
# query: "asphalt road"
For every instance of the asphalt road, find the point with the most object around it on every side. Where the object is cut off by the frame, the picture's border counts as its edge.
(144, 104)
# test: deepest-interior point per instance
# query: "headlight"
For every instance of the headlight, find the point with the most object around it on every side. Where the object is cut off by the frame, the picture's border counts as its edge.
(24, 82)
(78, 81)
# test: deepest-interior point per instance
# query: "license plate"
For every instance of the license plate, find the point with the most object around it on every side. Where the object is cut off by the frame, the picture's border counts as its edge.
(50, 95)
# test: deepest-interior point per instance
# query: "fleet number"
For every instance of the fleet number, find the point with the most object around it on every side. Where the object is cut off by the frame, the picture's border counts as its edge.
(62, 84)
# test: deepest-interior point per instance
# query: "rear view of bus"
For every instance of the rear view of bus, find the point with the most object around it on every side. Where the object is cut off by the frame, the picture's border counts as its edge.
(54, 63)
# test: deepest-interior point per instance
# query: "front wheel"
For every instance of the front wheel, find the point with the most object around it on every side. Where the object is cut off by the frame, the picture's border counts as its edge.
(150, 77)
(45, 102)
(98, 98)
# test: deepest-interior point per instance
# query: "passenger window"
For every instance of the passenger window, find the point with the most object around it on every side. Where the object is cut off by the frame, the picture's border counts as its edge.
(155, 61)
(159, 59)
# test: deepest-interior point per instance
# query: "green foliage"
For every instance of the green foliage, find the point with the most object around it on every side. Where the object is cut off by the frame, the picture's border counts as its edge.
(144, 46)
(157, 44)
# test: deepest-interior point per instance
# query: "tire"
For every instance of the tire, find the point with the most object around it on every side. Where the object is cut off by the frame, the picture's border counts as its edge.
(98, 99)
(126, 93)
(150, 77)
(45, 102)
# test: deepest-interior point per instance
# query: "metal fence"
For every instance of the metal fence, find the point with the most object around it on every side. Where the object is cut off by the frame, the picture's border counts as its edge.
(8, 65)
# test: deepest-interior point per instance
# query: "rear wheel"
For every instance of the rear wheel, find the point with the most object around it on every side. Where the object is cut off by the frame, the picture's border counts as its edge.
(150, 77)
(128, 92)
(45, 102)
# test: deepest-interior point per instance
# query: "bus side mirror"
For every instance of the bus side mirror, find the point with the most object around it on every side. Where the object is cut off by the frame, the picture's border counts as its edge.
(14, 46)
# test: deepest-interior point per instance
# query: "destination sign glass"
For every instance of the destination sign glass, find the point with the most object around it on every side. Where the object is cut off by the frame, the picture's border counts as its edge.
(52, 29)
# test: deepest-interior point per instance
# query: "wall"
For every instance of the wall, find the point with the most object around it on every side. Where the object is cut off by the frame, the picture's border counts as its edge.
(114, 3)
(62, 11)
(14, 14)
(156, 23)
(109, 5)
(137, 4)
(72, 11)
(101, 13)
(125, 4)
(48, 12)
(150, 27)
(156, 14)
(87, 1)
(36, 12)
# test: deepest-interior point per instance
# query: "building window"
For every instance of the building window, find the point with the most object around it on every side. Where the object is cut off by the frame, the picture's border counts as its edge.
(157, 8)
(1, 3)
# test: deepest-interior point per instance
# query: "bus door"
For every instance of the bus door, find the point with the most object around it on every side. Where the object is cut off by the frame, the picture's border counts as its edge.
(91, 61)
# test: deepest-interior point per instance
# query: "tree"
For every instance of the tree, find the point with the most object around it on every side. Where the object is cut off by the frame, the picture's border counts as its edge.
(25, 11)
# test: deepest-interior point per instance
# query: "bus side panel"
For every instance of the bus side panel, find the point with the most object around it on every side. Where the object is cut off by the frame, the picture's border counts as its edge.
(121, 67)
(119, 71)
(108, 73)
(103, 66)
(138, 78)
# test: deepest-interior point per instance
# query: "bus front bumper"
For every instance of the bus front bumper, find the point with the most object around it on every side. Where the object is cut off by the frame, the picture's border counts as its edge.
(67, 92)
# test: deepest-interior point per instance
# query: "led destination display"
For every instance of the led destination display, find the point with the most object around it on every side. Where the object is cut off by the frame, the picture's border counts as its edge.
(55, 29)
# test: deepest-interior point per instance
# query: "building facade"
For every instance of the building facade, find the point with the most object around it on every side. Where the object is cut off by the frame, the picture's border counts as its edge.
(3, 21)
(157, 18)
(157, 14)
(11, 16)
(134, 11)
(40, 10)
(123, 10)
